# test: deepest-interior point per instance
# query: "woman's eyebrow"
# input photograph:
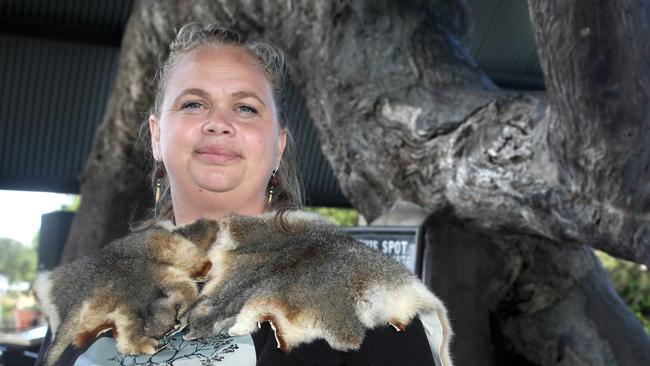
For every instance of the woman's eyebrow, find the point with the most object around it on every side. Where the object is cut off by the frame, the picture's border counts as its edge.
(193, 91)
(247, 94)
(205, 94)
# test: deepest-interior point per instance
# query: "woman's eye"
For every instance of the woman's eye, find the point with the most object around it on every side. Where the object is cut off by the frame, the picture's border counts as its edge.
(192, 106)
(246, 109)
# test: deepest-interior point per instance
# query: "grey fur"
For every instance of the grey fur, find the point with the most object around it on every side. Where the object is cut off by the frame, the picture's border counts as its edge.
(311, 281)
(146, 276)
(315, 272)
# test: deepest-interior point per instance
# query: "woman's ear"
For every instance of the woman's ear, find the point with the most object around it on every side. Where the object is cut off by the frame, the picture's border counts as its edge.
(154, 130)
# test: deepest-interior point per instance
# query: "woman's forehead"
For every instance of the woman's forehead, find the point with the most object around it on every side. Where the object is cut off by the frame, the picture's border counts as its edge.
(227, 66)
(220, 59)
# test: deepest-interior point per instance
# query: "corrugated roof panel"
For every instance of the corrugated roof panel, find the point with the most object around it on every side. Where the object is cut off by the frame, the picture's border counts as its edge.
(53, 96)
(503, 43)
(5, 138)
(90, 21)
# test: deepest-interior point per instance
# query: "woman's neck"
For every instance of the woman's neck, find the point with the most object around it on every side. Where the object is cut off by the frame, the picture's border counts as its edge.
(213, 206)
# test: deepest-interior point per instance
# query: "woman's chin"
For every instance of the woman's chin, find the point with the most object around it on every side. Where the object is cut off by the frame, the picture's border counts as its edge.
(216, 183)
(212, 187)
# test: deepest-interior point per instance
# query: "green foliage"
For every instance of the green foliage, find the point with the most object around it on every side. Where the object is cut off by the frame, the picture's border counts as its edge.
(632, 282)
(72, 206)
(7, 302)
(17, 261)
(340, 216)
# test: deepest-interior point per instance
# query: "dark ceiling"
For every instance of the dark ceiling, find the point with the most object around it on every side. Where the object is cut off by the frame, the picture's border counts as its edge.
(58, 60)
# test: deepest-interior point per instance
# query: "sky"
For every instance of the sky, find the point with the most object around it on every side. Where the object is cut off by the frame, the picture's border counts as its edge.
(20, 216)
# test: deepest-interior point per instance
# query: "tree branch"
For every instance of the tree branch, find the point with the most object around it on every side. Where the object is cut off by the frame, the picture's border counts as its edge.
(405, 114)
(596, 61)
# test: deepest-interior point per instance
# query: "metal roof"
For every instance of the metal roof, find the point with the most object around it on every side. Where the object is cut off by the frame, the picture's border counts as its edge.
(58, 61)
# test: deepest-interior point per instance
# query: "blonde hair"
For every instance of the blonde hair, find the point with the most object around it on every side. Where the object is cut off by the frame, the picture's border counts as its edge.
(289, 192)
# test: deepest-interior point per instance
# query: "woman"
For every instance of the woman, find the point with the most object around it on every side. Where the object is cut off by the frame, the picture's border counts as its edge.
(216, 128)
(220, 146)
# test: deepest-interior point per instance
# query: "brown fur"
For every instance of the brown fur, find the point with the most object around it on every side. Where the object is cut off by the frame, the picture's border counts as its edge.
(148, 272)
(309, 280)
(292, 269)
(203, 271)
(84, 338)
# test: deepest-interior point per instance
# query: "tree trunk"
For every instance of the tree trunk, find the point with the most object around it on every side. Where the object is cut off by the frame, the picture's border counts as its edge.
(596, 61)
(405, 114)
(524, 301)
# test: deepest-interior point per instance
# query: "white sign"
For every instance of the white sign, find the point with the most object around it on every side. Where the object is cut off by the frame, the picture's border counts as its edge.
(399, 242)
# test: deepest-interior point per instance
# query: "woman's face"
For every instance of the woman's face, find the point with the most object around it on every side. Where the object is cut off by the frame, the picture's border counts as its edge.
(218, 131)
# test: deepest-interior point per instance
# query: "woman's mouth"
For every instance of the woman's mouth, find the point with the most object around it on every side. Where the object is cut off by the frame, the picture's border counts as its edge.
(217, 154)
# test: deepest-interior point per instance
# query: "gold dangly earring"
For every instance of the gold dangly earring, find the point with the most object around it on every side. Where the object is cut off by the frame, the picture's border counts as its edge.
(159, 174)
(273, 182)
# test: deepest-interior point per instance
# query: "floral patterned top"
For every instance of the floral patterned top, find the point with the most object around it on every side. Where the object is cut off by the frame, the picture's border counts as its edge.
(221, 349)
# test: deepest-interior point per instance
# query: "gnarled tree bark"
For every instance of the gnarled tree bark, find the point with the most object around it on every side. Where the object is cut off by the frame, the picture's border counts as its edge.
(405, 114)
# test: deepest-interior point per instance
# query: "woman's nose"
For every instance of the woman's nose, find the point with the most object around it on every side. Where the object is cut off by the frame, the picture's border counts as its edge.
(217, 124)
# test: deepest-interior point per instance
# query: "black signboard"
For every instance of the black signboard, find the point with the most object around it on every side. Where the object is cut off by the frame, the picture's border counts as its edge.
(399, 242)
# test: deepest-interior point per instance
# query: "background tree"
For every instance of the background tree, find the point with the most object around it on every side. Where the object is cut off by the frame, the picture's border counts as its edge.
(18, 261)
(519, 185)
